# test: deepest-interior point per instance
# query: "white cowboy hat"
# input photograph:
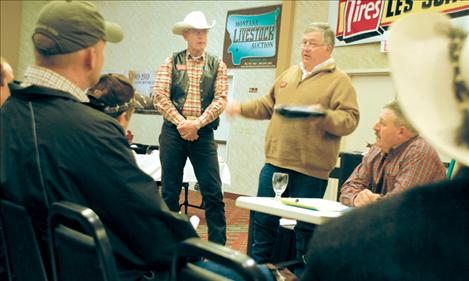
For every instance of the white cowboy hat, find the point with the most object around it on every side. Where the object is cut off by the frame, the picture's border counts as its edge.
(195, 19)
(423, 76)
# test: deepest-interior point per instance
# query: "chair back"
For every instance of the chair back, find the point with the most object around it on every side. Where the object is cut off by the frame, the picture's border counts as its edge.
(449, 171)
(184, 268)
(21, 248)
(348, 163)
(79, 246)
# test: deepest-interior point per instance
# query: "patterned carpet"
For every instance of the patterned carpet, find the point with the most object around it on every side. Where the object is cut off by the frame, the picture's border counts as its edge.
(237, 220)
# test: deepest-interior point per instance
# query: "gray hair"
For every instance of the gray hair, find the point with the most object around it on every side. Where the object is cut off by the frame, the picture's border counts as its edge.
(400, 117)
(327, 33)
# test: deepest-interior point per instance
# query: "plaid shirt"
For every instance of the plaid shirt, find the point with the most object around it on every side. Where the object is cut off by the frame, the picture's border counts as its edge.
(40, 76)
(410, 164)
(192, 107)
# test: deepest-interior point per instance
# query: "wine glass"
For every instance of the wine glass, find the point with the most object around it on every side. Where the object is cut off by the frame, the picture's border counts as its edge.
(279, 184)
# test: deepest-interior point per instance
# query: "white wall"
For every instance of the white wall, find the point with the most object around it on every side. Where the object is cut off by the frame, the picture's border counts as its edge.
(374, 91)
(148, 41)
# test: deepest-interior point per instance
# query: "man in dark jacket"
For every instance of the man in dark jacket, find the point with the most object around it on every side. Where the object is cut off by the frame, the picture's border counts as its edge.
(54, 147)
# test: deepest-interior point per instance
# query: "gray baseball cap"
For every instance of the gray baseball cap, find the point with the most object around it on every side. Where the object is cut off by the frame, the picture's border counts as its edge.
(67, 26)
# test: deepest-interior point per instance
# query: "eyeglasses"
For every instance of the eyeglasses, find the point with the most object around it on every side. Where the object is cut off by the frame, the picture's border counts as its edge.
(310, 45)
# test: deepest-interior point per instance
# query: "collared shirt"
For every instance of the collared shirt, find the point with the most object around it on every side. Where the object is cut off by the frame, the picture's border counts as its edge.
(307, 73)
(40, 76)
(410, 164)
(192, 108)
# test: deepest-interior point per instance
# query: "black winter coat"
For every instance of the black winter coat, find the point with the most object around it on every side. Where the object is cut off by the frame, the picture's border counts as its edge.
(55, 148)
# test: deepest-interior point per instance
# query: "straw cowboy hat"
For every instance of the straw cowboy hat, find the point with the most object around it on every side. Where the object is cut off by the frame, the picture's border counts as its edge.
(195, 19)
(424, 76)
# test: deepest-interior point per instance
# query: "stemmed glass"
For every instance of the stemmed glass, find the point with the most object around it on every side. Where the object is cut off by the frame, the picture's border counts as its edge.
(279, 184)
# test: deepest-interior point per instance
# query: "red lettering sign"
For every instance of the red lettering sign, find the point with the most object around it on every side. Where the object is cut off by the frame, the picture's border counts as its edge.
(362, 19)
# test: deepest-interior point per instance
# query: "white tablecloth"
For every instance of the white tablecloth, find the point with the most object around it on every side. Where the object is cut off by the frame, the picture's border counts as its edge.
(150, 164)
(271, 206)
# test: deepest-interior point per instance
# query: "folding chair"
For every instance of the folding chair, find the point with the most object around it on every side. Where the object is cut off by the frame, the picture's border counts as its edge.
(449, 171)
(79, 246)
(186, 203)
(193, 250)
(21, 248)
(348, 163)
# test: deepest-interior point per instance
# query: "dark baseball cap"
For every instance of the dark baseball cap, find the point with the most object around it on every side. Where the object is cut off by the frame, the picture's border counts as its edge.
(67, 26)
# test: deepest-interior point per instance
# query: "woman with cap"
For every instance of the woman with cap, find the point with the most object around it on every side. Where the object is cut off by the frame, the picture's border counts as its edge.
(114, 95)
(423, 233)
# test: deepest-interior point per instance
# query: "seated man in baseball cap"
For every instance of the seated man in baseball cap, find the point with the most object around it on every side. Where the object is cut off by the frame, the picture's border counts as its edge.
(422, 233)
(54, 147)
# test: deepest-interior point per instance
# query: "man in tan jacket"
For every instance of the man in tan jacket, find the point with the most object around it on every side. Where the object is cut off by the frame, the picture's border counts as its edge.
(304, 148)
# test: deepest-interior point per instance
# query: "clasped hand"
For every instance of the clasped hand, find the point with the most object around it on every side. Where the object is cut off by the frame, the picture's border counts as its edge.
(188, 130)
(365, 197)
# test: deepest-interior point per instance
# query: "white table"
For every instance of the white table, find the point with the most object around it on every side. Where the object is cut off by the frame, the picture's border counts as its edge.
(150, 164)
(271, 206)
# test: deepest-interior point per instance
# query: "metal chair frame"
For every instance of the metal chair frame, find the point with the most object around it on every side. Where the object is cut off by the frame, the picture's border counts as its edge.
(21, 249)
(79, 224)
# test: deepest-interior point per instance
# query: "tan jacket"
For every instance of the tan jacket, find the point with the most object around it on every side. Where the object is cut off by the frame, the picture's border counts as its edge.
(296, 144)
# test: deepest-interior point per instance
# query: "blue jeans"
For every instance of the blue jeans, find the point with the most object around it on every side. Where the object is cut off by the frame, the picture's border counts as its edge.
(210, 266)
(231, 274)
(265, 227)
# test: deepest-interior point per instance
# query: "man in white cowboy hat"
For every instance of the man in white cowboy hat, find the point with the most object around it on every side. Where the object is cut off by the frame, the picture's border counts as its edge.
(191, 92)
(400, 159)
(423, 233)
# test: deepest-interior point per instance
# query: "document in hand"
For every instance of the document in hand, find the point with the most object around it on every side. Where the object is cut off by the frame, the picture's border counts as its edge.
(298, 111)
(315, 204)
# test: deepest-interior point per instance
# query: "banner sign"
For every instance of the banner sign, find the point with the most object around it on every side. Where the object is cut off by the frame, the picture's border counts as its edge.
(365, 21)
(251, 37)
(143, 82)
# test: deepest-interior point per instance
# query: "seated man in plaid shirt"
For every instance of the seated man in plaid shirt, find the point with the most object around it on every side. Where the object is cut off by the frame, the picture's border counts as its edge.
(399, 160)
